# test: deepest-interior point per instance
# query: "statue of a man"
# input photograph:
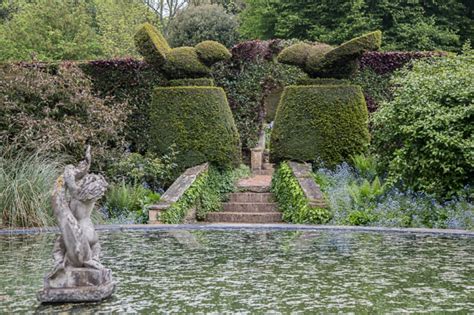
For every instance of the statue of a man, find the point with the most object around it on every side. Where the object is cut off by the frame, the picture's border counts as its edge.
(77, 274)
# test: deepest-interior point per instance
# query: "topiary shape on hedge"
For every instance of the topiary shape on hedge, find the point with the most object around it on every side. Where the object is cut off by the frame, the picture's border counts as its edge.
(198, 121)
(181, 62)
(325, 124)
(325, 61)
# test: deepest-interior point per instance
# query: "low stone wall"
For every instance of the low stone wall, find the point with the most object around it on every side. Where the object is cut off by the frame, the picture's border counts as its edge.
(175, 192)
(312, 191)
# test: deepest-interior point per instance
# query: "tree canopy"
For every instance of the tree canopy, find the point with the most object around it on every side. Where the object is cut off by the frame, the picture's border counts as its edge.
(406, 24)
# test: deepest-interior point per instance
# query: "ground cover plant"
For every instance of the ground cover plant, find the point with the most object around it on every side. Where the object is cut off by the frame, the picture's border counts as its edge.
(360, 195)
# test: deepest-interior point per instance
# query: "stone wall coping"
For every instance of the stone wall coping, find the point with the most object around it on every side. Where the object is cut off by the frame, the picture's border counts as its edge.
(312, 191)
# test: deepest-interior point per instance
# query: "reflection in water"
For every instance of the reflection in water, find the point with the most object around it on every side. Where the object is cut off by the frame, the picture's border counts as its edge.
(249, 271)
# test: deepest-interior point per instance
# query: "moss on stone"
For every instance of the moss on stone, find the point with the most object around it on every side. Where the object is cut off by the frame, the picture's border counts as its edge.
(210, 52)
(151, 44)
(198, 121)
(323, 124)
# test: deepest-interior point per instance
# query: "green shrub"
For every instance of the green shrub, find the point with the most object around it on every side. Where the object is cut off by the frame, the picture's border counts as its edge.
(192, 82)
(151, 45)
(204, 22)
(26, 183)
(55, 109)
(183, 62)
(322, 124)
(129, 202)
(424, 135)
(292, 200)
(211, 52)
(149, 170)
(198, 121)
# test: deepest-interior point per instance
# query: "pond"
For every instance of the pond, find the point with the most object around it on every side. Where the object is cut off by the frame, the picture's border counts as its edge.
(256, 272)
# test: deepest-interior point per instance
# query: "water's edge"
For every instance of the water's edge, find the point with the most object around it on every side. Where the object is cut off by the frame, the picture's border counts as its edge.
(248, 227)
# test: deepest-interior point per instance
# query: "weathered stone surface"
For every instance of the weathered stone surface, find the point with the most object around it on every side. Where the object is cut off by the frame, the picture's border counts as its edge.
(311, 189)
(77, 285)
(251, 197)
(175, 192)
(78, 275)
(245, 217)
(255, 207)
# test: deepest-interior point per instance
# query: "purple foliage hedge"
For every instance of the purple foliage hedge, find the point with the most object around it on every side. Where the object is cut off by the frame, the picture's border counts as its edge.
(390, 61)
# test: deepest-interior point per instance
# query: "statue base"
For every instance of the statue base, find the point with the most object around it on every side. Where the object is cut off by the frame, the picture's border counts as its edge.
(72, 285)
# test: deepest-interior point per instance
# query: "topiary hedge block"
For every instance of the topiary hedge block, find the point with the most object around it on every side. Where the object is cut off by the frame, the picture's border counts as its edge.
(211, 52)
(322, 81)
(151, 44)
(192, 82)
(198, 121)
(183, 62)
(323, 124)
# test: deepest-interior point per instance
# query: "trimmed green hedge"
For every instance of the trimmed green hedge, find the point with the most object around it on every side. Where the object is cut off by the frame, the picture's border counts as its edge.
(183, 62)
(211, 52)
(292, 200)
(192, 82)
(198, 121)
(324, 61)
(322, 81)
(151, 44)
(324, 124)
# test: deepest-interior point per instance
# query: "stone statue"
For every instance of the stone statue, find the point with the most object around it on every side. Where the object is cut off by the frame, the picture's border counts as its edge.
(78, 275)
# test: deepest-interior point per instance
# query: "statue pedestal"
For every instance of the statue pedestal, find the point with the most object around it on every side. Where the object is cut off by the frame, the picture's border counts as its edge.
(77, 285)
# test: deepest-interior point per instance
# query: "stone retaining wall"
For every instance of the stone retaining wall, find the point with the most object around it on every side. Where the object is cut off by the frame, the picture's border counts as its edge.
(175, 192)
(304, 176)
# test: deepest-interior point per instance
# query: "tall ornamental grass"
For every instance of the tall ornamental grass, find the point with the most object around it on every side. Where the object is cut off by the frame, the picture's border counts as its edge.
(26, 182)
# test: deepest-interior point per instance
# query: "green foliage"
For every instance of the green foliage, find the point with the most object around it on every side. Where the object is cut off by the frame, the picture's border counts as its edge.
(129, 202)
(424, 135)
(198, 121)
(324, 124)
(407, 25)
(200, 23)
(206, 194)
(149, 170)
(151, 44)
(297, 54)
(192, 82)
(50, 30)
(322, 60)
(191, 198)
(183, 62)
(131, 82)
(56, 110)
(292, 201)
(375, 86)
(26, 182)
(211, 52)
(322, 81)
(245, 87)
(117, 23)
(365, 165)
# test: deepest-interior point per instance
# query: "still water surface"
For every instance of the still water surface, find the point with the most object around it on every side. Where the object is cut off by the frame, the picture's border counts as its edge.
(257, 272)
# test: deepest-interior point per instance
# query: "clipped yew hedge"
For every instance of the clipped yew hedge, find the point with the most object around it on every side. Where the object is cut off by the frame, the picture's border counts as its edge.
(198, 122)
(324, 124)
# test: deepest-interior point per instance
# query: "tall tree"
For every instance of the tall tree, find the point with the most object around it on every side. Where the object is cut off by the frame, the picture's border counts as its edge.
(50, 30)
(117, 22)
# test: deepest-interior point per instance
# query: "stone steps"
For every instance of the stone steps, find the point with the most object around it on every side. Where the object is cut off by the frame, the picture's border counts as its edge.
(251, 197)
(250, 207)
(245, 217)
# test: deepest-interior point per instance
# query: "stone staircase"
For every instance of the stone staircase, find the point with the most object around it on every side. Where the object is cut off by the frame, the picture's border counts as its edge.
(253, 203)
